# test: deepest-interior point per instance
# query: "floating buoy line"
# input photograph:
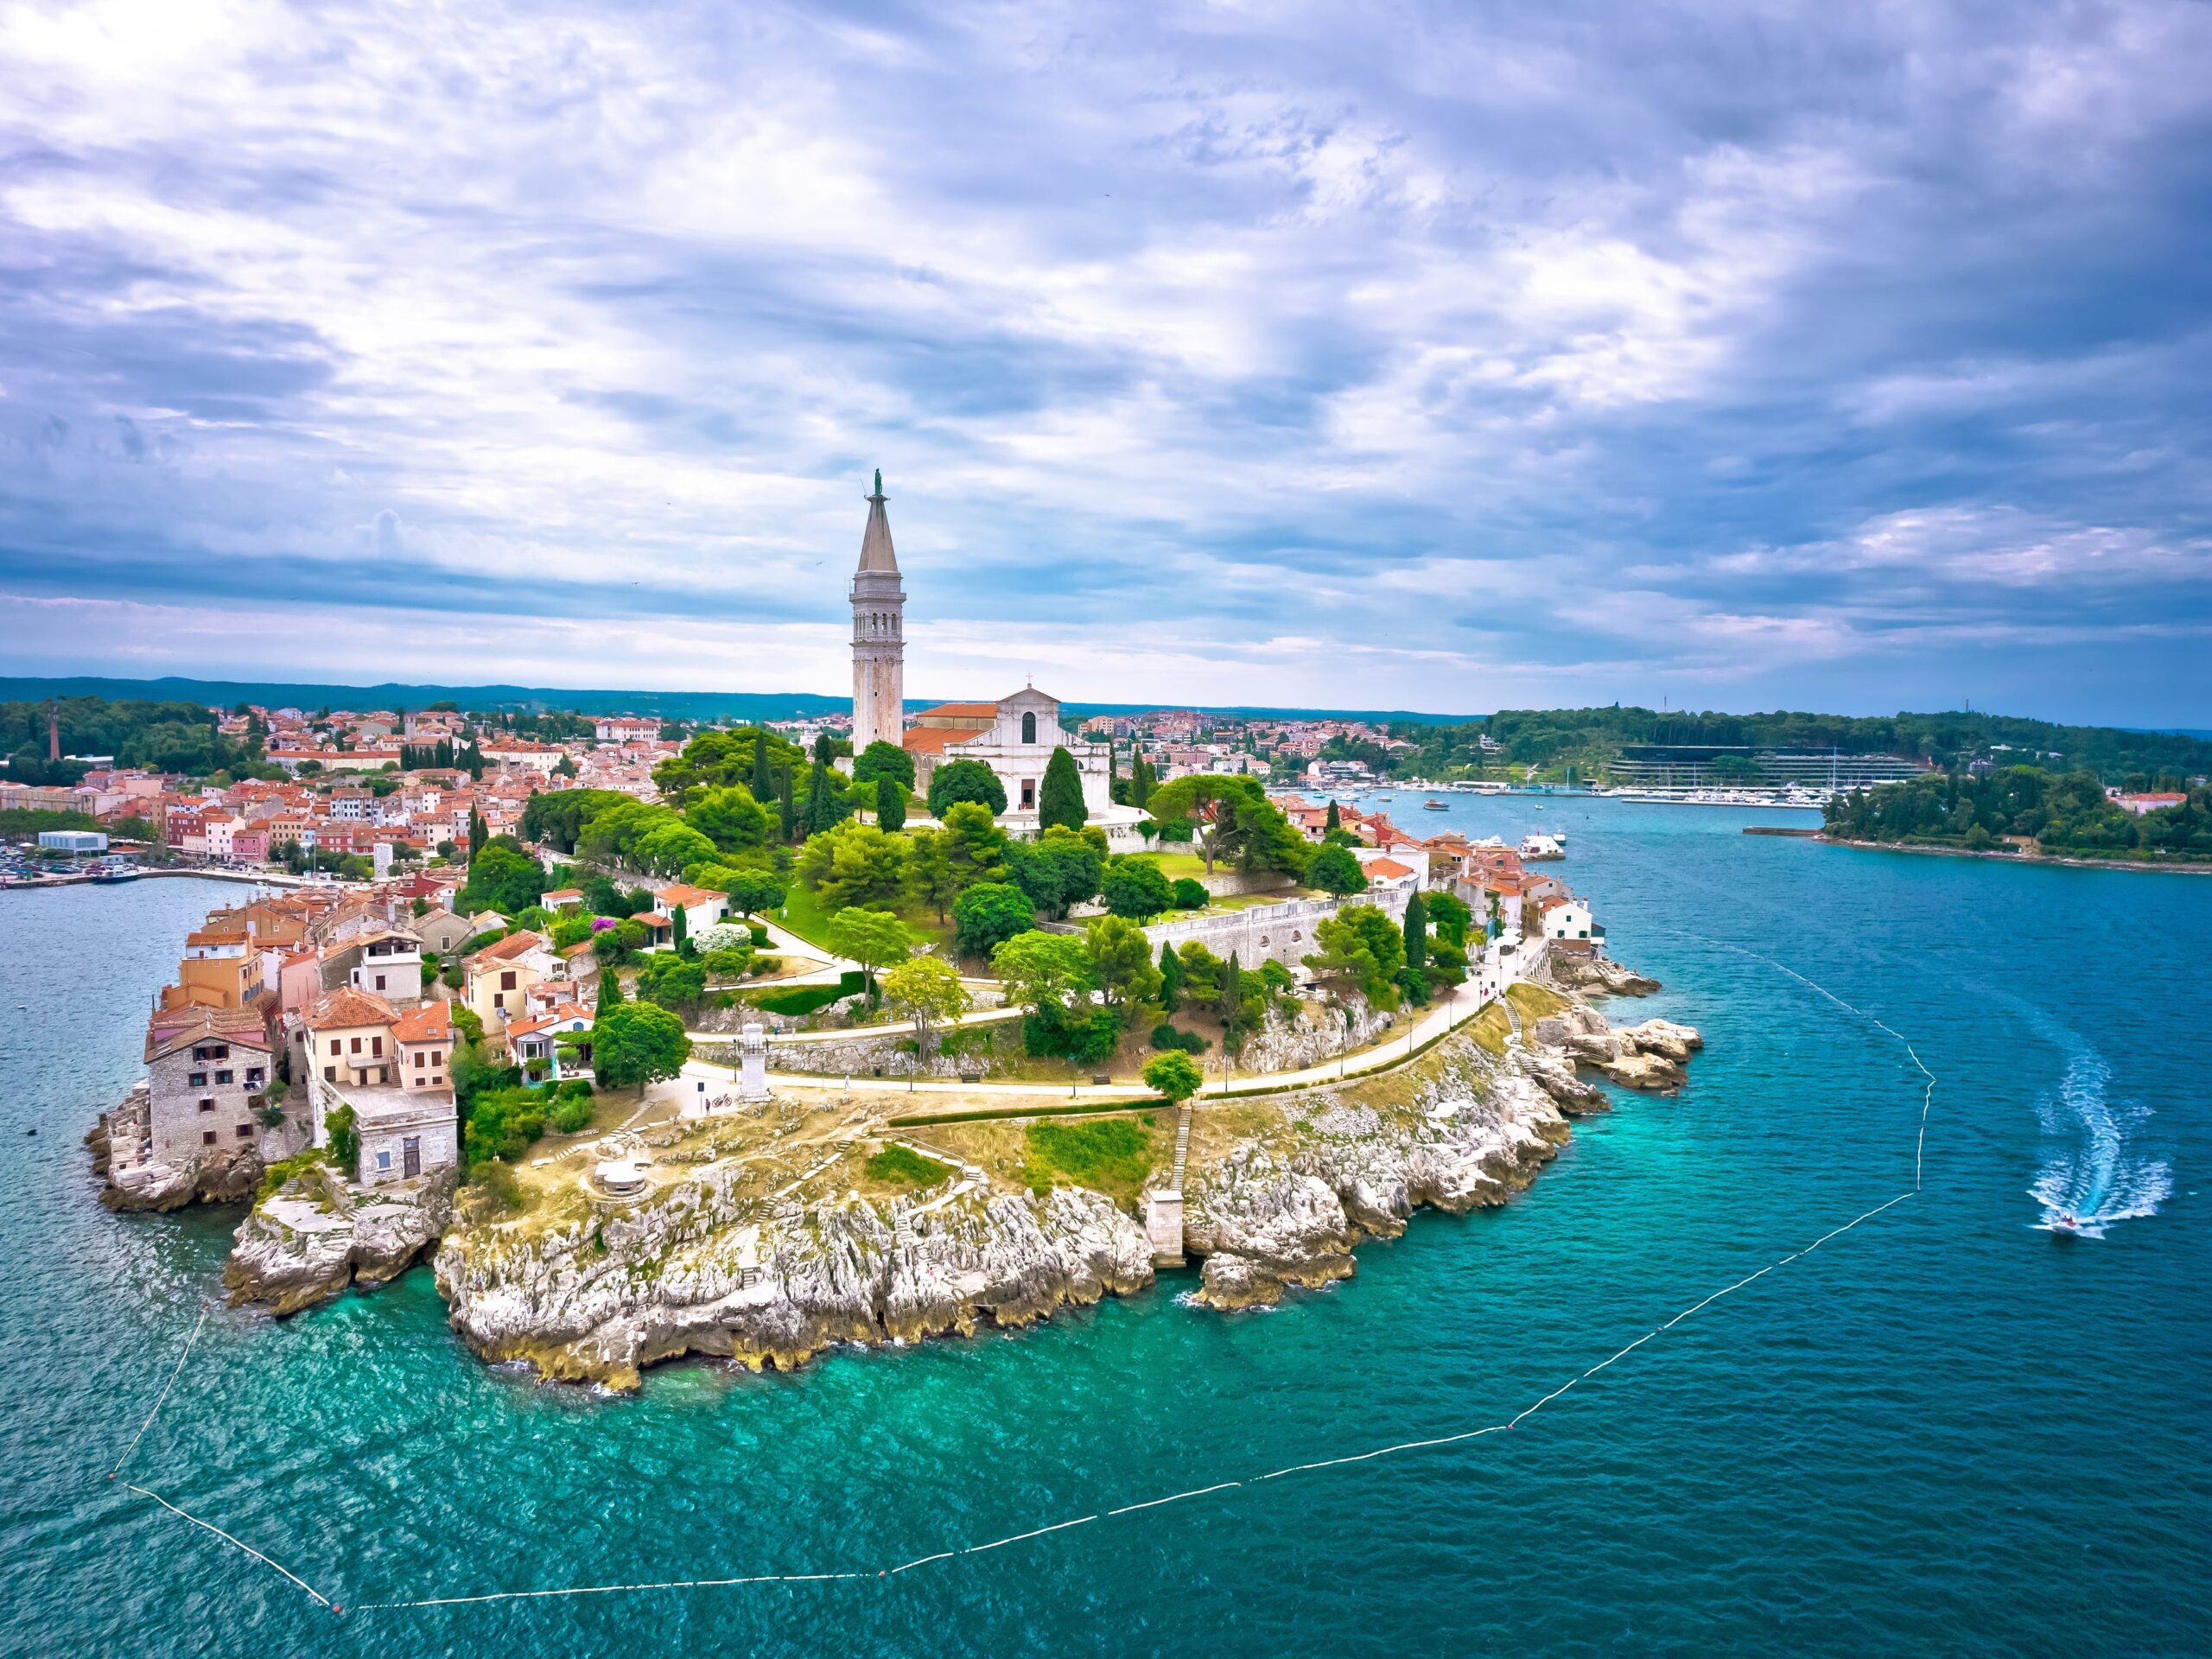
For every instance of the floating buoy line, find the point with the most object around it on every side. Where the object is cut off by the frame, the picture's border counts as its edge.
(886, 1572)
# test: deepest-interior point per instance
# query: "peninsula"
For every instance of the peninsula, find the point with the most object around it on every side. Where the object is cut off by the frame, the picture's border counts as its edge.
(746, 1040)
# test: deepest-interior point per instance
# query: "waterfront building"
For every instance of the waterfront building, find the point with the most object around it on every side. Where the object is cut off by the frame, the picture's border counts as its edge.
(878, 633)
(205, 1073)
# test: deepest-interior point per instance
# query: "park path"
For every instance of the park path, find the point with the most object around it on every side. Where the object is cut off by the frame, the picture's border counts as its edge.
(1466, 1001)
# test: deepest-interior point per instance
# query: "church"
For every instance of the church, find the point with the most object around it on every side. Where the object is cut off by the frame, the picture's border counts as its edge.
(1015, 736)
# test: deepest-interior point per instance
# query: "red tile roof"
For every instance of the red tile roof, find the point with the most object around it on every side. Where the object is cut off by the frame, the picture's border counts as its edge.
(346, 1007)
(1386, 869)
(430, 1023)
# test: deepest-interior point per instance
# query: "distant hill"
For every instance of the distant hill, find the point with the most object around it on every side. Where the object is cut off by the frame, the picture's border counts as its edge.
(534, 699)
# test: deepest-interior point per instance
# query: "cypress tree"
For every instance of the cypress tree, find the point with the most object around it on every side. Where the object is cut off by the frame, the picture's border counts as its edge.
(1416, 935)
(683, 932)
(1059, 798)
(1140, 782)
(1171, 979)
(478, 833)
(760, 763)
(821, 799)
(890, 804)
(1336, 820)
(610, 989)
(1232, 1006)
(786, 811)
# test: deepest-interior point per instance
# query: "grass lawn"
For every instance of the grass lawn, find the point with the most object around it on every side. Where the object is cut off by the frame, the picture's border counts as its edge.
(1175, 866)
(896, 1166)
(803, 915)
(1533, 1002)
(1111, 1155)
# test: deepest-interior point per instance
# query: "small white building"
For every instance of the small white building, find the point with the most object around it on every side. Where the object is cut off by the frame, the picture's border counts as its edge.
(391, 965)
(1568, 924)
(535, 1044)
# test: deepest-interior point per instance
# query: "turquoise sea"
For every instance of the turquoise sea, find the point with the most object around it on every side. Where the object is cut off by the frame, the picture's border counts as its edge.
(1947, 1430)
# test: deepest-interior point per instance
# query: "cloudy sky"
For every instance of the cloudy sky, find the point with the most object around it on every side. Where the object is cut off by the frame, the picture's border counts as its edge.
(1852, 357)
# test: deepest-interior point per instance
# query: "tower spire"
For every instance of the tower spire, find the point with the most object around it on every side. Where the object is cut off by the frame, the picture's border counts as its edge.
(879, 632)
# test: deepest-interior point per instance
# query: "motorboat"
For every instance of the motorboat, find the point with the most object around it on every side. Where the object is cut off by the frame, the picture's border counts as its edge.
(1432, 804)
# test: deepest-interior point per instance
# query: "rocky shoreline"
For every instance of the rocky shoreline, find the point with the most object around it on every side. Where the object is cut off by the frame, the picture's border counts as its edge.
(1279, 1191)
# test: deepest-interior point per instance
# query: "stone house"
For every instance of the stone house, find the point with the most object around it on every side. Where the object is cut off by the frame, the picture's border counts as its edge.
(206, 1071)
(495, 980)
(347, 1040)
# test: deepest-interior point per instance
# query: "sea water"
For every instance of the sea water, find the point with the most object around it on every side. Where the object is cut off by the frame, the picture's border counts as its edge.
(1949, 1430)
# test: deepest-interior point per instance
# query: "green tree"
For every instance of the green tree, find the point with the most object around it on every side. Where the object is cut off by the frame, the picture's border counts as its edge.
(1333, 869)
(928, 871)
(787, 808)
(671, 981)
(928, 991)
(751, 891)
(975, 847)
(763, 780)
(1059, 798)
(478, 833)
(1450, 917)
(826, 804)
(1121, 960)
(1231, 817)
(987, 914)
(1173, 1076)
(854, 863)
(1043, 972)
(1231, 1006)
(1362, 947)
(634, 1044)
(1135, 888)
(682, 931)
(1057, 871)
(874, 938)
(1202, 970)
(1335, 820)
(610, 981)
(882, 759)
(1414, 974)
(1190, 894)
(501, 877)
(1171, 979)
(956, 781)
(890, 801)
(731, 818)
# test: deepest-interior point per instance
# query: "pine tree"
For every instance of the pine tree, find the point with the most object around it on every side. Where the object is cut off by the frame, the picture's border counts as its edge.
(1171, 979)
(1059, 798)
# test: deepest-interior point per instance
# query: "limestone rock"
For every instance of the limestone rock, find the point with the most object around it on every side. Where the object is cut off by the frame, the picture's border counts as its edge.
(316, 1235)
(697, 1270)
(1663, 1037)
(1597, 976)
(1287, 1206)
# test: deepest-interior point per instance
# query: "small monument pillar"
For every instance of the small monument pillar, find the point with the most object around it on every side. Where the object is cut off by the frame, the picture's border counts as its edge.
(753, 1052)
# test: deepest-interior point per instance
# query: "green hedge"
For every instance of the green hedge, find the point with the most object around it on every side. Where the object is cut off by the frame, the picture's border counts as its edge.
(806, 999)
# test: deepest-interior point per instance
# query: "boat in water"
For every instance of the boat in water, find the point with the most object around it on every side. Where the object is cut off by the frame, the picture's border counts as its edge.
(1537, 849)
(1432, 804)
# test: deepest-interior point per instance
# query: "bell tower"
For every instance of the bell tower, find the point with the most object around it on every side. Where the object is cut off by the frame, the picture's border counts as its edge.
(878, 633)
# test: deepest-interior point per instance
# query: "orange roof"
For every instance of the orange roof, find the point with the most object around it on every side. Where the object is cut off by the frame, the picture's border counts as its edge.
(962, 711)
(686, 896)
(538, 1022)
(934, 740)
(521, 941)
(346, 1007)
(1386, 868)
(430, 1023)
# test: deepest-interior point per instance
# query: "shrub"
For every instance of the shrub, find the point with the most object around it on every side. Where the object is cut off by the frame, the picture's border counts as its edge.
(274, 1177)
(1190, 893)
(806, 999)
(759, 933)
(572, 1114)
(1165, 1037)
(498, 1182)
(344, 1140)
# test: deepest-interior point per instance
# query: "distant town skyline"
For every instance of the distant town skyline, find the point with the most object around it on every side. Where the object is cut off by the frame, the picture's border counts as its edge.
(1431, 360)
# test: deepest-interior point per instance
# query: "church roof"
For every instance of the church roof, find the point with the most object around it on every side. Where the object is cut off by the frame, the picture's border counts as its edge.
(876, 554)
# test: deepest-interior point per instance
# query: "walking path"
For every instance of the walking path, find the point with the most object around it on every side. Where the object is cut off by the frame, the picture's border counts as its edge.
(1466, 1001)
